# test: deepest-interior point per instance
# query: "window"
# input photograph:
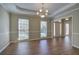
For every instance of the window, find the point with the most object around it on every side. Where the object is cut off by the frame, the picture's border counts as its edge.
(23, 29)
(67, 28)
(43, 29)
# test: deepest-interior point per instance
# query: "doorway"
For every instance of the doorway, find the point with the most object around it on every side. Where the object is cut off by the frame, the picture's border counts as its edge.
(68, 26)
(67, 29)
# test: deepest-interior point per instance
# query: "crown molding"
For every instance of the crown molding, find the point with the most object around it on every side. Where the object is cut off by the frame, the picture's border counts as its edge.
(62, 9)
(23, 9)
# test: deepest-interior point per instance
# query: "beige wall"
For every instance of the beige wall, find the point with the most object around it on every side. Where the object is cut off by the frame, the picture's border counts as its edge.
(34, 26)
(13, 27)
(57, 29)
(75, 29)
(62, 28)
(4, 29)
(52, 29)
(48, 28)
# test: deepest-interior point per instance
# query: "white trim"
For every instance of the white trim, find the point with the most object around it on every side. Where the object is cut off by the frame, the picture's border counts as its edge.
(4, 47)
(66, 12)
(39, 38)
(4, 33)
(75, 46)
(14, 41)
(28, 40)
(72, 32)
(76, 33)
(64, 8)
(35, 39)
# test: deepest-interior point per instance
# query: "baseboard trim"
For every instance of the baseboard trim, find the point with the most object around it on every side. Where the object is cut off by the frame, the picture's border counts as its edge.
(58, 36)
(4, 47)
(40, 38)
(75, 46)
(16, 41)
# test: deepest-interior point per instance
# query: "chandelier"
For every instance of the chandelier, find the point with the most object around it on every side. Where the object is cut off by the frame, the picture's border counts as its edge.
(42, 12)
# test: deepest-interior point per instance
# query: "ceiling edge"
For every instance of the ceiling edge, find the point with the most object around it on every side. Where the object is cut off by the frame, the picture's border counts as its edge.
(62, 9)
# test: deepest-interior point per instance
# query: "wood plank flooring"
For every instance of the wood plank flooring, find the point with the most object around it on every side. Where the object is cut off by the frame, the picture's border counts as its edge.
(56, 46)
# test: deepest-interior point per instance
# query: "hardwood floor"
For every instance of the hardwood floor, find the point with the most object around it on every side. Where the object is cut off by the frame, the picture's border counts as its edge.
(56, 46)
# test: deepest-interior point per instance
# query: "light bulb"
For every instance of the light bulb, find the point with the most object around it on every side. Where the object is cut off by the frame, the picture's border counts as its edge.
(46, 10)
(40, 10)
(59, 20)
(42, 16)
(37, 13)
(46, 14)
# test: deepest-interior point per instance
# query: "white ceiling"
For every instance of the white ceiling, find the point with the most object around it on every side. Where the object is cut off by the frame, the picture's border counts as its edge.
(51, 7)
(30, 8)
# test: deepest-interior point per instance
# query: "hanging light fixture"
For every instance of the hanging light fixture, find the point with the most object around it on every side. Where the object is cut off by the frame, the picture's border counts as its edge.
(42, 12)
